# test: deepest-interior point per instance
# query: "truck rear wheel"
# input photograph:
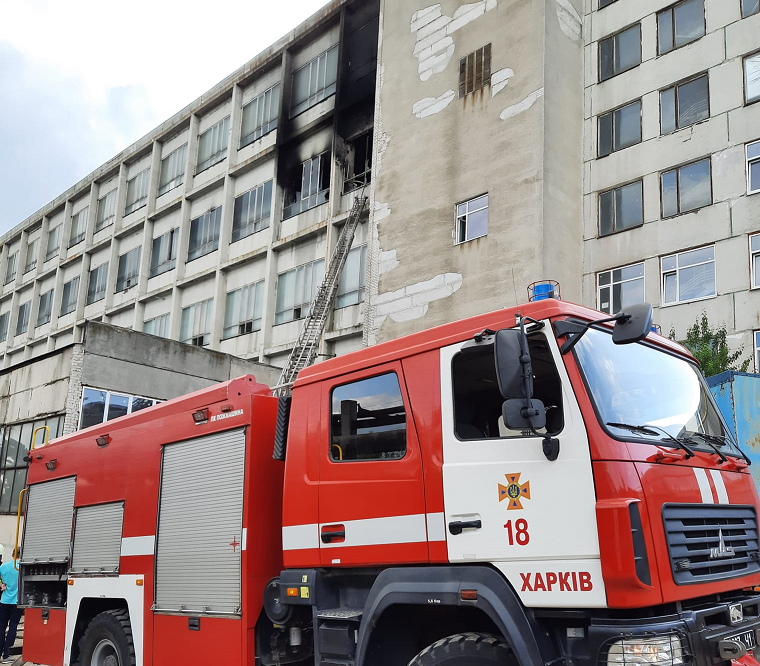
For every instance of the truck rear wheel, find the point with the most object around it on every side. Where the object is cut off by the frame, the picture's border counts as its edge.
(470, 649)
(107, 641)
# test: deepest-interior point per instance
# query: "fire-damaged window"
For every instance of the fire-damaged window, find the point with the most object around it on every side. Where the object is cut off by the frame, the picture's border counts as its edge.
(16, 440)
(309, 185)
(478, 402)
(368, 420)
(475, 71)
(359, 163)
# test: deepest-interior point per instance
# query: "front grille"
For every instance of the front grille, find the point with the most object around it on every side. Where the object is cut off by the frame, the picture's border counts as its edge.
(709, 542)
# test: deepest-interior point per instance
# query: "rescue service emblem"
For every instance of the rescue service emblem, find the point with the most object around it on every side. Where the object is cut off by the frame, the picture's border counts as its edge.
(514, 492)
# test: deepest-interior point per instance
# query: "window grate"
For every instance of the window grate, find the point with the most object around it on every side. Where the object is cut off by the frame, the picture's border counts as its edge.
(475, 71)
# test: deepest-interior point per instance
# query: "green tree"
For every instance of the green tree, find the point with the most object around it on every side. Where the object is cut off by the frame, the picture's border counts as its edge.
(710, 348)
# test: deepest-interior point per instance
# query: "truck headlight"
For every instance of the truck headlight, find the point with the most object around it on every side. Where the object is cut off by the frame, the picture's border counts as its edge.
(662, 651)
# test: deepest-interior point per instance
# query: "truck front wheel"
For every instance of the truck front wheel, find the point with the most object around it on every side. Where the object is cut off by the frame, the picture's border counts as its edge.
(108, 641)
(470, 649)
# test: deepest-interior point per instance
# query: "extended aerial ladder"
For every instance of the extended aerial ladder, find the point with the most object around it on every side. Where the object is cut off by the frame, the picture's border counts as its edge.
(305, 349)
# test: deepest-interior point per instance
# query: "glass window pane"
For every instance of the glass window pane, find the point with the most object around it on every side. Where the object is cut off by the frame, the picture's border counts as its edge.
(477, 224)
(7, 491)
(616, 298)
(628, 49)
(631, 292)
(93, 407)
(604, 300)
(670, 283)
(754, 176)
(669, 263)
(697, 281)
(692, 102)
(696, 256)
(605, 134)
(665, 31)
(669, 194)
(750, 7)
(694, 185)
(690, 21)
(754, 243)
(752, 77)
(19, 482)
(141, 403)
(756, 270)
(25, 441)
(632, 272)
(668, 110)
(753, 150)
(606, 213)
(606, 59)
(604, 278)
(12, 446)
(629, 210)
(628, 126)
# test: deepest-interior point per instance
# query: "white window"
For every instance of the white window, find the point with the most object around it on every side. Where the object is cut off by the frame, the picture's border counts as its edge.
(163, 255)
(312, 186)
(753, 168)
(296, 289)
(4, 318)
(78, 226)
(314, 81)
(31, 255)
(96, 288)
(679, 25)
(260, 115)
(252, 211)
(53, 242)
(70, 296)
(129, 270)
(106, 210)
(137, 191)
(10, 270)
(158, 326)
(754, 259)
(757, 349)
(172, 170)
(472, 219)
(686, 188)
(351, 284)
(195, 327)
(242, 313)
(620, 287)
(204, 233)
(46, 307)
(621, 208)
(101, 406)
(212, 144)
(22, 323)
(688, 276)
(752, 78)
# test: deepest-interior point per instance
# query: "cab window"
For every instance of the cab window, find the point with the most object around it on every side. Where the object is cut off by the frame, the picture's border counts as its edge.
(478, 402)
(368, 420)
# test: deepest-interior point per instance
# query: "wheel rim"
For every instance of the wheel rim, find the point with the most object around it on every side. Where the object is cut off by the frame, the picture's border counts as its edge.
(105, 654)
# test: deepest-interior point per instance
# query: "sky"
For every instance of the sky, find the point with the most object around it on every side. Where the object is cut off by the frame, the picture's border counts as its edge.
(80, 80)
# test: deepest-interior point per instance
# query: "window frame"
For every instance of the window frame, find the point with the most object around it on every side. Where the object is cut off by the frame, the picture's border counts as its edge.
(47, 299)
(458, 218)
(243, 328)
(201, 339)
(51, 253)
(304, 306)
(674, 87)
(99, 295)
(5, 319)
(261, 130)
(678, 189)
(163, 317)
(179, 178)
(107, 204)
(754, 276)
(613, 125)
(11, 268)
(612, 283)
(752, 162)
(211, 222)
(154, 270)
(605, 3)
(663, 273)
(756, 336)
(672, 10)
(65, 303)
(107, 403)
(128, 280)
(223, 139)
(31, 249)
(614, 208)
(78, 223)
(468, 71)
(613, 36)
(319, 94)
(23, 328)
(141, 198)
(253, 225)
(745, 78)
(361, 282)
(747, 15)
(320, 196)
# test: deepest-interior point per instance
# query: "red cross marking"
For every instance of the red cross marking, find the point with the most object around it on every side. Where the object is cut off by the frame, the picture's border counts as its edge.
(234, 544)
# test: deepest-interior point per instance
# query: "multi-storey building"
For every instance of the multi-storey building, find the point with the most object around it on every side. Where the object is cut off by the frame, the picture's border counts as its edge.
(613, 145)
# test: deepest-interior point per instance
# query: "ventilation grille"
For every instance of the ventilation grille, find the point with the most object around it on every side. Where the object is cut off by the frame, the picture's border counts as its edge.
(475, 71)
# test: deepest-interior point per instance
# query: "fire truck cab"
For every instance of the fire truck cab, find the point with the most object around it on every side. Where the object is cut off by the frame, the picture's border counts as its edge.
(532, 485)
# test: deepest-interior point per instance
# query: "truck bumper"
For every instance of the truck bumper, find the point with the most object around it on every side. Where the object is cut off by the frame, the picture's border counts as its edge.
(711, 633)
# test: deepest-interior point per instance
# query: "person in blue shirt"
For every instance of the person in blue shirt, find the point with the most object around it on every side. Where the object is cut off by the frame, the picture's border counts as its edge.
(10, 613)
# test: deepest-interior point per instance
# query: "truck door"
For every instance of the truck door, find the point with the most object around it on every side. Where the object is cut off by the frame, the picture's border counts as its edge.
(371, 498)
(505, 502)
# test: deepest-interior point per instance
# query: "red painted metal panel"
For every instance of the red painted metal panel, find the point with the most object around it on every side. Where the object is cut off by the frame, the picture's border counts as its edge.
(181, 645)
(44, 642)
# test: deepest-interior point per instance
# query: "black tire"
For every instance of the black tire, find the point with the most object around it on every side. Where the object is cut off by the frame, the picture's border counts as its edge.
(469, 649)
(107, 641)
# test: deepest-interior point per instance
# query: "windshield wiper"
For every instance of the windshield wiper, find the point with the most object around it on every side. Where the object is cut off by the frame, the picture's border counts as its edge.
(722, 440)
(710, 442)
(653, 431)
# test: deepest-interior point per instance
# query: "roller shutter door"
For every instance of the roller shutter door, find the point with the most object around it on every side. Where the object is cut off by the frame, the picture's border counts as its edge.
(200, 520)
(97, 538)
(47, 532)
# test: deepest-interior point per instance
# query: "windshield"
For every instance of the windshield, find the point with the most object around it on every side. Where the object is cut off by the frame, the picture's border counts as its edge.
(638, 385)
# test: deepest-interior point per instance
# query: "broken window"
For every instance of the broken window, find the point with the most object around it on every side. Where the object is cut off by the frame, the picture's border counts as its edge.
(475, 71)
(310, 186)
(314, 81)
(619, 53)
(368, 420)
(195, 328)
(620, 128)
(472, 219)
(360, 163)
(478, 401)
(296, 289)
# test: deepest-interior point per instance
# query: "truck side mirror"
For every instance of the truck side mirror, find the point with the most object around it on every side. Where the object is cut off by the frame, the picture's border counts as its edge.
(521, 414)
(514, 371)
(633, 324)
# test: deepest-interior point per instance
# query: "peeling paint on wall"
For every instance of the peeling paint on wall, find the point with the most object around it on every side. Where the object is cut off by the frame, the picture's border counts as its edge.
(435, 46)
(569, 19)
(430, 105)
(387, 261)
(412, 302)
(524, 105)
(500, 79)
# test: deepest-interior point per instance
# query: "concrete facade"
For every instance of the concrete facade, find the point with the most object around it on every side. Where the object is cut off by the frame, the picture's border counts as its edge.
(48, 390)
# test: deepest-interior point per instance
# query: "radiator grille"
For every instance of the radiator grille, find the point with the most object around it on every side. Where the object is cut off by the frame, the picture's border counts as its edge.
(709, 542)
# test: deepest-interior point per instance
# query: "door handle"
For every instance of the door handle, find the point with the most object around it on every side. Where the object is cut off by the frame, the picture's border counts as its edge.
(456, 526)
(336, 533)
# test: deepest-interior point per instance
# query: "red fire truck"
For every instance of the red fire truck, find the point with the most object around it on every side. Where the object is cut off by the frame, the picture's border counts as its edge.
(537, 486)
